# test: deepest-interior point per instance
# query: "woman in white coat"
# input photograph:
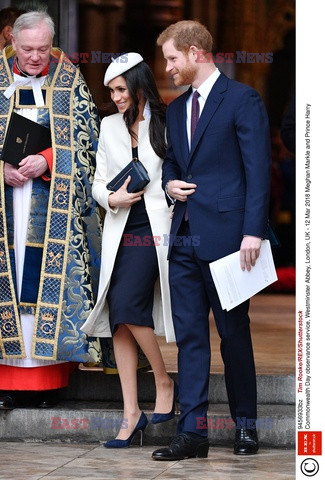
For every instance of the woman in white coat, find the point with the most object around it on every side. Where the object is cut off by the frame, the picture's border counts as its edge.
(133, 302)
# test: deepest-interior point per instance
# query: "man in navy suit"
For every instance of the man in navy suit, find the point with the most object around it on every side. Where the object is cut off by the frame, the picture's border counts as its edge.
(219, 180)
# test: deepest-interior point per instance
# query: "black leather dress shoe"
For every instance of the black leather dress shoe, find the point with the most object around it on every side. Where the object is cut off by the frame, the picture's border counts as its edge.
(246, 442)
(184, 445)
(7, 402)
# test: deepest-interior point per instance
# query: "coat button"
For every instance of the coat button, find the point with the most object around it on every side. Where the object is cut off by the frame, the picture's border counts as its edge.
(189, 177)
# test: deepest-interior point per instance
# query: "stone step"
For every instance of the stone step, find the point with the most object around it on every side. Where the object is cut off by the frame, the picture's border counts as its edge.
(88, 422)
(96, 385)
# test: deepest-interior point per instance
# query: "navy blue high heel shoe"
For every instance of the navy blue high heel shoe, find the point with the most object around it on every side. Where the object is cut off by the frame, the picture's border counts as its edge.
(164, 417)
(140, 427)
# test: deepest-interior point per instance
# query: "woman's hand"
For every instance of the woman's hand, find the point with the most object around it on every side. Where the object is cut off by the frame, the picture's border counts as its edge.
(122, 198)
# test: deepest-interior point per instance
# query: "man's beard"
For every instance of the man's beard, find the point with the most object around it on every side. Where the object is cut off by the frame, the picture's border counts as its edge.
(185, 76)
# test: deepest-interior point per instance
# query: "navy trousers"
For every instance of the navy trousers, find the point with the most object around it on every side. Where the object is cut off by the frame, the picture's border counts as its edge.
(192, 294)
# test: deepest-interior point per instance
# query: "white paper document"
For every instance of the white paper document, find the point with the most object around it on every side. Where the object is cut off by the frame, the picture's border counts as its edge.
(233, 285)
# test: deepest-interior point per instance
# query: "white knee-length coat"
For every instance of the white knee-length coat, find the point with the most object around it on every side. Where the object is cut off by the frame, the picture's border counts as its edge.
(114, 153)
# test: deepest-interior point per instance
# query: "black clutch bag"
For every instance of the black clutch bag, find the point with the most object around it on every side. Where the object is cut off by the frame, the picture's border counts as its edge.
(139, 177)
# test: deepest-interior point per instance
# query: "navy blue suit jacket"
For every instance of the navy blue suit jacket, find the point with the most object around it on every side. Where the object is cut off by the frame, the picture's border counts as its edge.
(230, 162)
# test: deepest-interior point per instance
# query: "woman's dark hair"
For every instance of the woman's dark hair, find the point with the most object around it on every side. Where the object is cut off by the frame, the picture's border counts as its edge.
(140, 78)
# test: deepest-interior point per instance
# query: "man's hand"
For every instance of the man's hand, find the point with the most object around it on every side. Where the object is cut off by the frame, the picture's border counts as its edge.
(180, 190)
(249, 251)
(33, 166)
(12, 176)
(122, 198)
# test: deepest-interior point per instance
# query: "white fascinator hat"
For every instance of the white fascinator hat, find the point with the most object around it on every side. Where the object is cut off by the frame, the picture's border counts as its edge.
(120, 65)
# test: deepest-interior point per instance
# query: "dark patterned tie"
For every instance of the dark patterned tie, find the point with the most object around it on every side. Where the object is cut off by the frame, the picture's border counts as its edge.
(195, 113)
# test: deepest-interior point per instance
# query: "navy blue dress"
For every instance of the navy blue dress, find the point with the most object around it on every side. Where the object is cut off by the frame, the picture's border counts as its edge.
(131, 291)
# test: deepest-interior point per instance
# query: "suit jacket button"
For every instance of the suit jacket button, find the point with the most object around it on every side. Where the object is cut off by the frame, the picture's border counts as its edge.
(189, 177)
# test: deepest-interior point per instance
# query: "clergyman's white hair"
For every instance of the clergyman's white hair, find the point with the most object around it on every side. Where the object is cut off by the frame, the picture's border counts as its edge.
(32, 20)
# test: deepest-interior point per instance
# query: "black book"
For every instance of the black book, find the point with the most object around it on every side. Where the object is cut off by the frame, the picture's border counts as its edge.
(24, 137)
